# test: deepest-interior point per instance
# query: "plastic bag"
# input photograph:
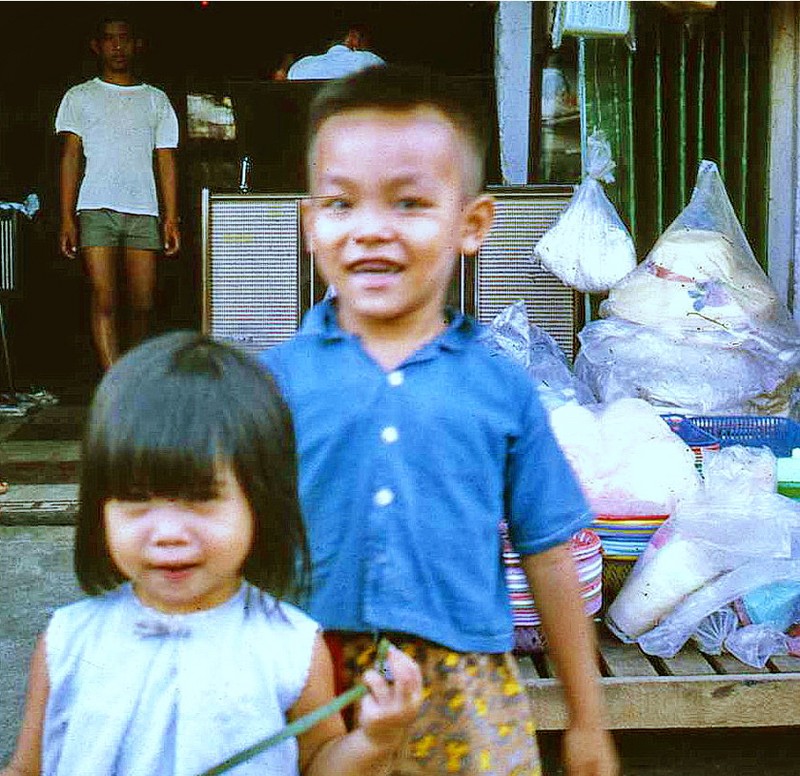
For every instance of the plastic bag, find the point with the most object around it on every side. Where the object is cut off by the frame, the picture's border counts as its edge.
(713, 630)
(756, 644)
(670, 569)
(697, 373)
(589, 247)
(697, 325)
(533, 348)
(675, 629)
(691, 566)
(702, 274)
(739, 469)
(641, 460)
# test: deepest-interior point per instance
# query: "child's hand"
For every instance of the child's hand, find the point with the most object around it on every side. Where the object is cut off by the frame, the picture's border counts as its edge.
(589, 752)
(390, 708)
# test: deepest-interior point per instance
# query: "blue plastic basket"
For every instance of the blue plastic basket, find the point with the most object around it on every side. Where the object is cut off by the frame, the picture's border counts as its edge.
(781, 435)
(694, 436)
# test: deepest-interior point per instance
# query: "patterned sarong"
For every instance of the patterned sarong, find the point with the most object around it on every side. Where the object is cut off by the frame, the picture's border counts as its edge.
(476, 717)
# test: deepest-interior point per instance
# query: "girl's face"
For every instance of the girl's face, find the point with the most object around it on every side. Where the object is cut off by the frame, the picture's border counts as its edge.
(182, 556)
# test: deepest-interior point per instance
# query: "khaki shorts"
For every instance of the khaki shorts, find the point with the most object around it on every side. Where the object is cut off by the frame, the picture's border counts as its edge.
(108, 228)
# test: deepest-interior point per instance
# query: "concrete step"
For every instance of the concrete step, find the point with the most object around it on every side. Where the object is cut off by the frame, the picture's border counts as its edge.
(40, 459)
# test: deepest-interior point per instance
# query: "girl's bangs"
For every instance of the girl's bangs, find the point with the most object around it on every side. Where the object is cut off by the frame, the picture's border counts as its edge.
(178, 455)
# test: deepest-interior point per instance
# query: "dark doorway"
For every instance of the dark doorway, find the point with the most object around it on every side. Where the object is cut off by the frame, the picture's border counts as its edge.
(189, 47)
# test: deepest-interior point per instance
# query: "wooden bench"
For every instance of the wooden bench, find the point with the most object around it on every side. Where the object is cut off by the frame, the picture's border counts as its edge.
(690, 690)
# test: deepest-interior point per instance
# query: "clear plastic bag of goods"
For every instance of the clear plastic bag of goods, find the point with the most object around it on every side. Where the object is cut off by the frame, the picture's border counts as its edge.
(648, 462)
(675, 629)
(532, 347)
(589, 247)
(671, 568)
(740, 469)
(697, 326)
(713, 630)
(702, 274)
(708, 538)
(694, 372)
(577, 430)
(756, 644)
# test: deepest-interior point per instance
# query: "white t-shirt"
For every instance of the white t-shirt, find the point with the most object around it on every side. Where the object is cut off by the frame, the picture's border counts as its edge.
(119, 127)
(337, 62)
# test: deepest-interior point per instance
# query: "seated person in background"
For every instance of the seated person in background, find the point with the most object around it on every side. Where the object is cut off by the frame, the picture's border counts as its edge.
(343, 58)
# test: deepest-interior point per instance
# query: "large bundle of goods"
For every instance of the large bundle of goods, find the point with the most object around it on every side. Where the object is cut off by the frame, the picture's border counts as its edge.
(589, 248)
(697, 326)
(723, 570)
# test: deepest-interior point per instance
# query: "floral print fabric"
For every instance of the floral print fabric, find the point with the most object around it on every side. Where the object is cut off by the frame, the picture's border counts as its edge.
(476, 715)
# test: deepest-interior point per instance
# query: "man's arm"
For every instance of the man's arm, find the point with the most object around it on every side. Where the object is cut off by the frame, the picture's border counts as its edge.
(70, 175)
(166, 169)
(588, 747)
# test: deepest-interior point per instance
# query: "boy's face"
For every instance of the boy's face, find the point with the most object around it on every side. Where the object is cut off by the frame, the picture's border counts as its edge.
(390, 214)
(116, 47)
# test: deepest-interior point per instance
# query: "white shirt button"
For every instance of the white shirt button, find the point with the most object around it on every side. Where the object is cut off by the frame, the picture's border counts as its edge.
(395, 378)
(390, 434)
(383, 497)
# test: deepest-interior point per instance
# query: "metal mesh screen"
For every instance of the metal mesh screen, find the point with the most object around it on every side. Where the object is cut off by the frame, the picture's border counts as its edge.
(8, 250)
(504, 272)
(252, 269)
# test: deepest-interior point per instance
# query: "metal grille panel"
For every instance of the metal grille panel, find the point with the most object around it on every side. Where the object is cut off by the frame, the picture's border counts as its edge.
(8, 250)
(252, 271)
(505, 273)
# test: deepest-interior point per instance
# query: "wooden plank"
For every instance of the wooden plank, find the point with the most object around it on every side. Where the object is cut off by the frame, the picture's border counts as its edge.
(688, 662)
(727, 664)
(786, 664)
(663, 702)
(624, 660)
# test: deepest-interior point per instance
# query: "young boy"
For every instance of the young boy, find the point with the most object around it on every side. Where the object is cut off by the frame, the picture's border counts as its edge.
(116, 123)
(414, 441)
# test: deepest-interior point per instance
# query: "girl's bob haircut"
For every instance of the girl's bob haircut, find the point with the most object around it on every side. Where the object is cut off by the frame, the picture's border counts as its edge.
(163, 420)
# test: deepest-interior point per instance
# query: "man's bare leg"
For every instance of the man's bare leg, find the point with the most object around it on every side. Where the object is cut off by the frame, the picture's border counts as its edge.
(140, 268)
(100, 265)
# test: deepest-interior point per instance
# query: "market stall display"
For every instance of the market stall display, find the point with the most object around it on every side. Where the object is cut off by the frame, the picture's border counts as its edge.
(733, 538)
(697, 327)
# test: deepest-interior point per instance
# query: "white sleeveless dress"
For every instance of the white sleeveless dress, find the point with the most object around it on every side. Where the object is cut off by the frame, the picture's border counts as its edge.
(134, 692)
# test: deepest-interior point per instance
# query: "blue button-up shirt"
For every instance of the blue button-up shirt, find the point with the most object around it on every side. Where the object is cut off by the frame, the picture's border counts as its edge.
(405, 476)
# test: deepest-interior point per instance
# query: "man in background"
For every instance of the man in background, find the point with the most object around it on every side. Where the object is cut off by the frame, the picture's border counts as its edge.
(341, 59)
(118, 188)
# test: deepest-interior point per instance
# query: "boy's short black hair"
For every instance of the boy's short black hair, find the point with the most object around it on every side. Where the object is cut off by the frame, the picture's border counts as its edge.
(398, 87)
(162, 420)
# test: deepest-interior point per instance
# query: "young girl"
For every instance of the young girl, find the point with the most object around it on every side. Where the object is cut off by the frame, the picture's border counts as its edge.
(188, 536)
